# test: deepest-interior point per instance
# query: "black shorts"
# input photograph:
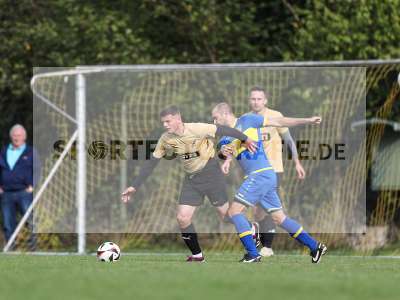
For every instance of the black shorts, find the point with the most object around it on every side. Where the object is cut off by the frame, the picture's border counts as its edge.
(210, 182)
(278, 179)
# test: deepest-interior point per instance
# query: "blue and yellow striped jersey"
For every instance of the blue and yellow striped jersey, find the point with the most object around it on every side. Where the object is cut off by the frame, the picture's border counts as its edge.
(250, 125)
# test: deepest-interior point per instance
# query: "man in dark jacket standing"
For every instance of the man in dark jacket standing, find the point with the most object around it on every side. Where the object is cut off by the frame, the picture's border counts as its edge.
(17, 181)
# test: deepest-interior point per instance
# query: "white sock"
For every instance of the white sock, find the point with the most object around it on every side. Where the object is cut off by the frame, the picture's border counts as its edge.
(198, 255)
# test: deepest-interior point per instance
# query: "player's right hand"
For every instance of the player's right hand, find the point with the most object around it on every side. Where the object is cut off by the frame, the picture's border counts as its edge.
(251, 145)
(126, 195)
(301, 173)
(227, 150)
(315, 120)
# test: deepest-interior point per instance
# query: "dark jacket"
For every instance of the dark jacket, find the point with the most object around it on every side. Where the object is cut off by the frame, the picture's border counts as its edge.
(25, 172)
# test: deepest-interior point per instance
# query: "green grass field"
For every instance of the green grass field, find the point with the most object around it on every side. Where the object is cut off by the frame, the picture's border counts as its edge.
(221, 277)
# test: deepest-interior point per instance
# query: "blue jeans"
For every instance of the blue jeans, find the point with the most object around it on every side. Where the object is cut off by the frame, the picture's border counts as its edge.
(11, 204)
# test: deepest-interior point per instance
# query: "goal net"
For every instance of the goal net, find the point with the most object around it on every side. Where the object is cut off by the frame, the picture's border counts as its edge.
(117, 109)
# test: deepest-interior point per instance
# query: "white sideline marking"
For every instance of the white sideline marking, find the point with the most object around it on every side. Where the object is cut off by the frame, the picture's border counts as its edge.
(92, 254)
(41, 253)
(185, 254)
(348, 256)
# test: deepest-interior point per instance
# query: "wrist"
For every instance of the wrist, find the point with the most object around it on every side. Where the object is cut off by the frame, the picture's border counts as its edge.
(221, 156)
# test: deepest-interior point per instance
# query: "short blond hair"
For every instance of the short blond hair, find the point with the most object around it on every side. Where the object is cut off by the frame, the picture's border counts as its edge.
(223, 107)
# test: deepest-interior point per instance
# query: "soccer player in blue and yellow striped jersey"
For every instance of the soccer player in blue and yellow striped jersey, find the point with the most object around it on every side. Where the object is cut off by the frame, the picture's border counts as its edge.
(260, 186)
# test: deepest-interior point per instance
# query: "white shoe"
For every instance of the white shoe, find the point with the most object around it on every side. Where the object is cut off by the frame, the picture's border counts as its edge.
(266, 252)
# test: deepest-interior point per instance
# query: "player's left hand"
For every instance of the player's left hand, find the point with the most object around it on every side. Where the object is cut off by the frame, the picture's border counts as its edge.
(250, 145)
(301, 173)
(226, 165)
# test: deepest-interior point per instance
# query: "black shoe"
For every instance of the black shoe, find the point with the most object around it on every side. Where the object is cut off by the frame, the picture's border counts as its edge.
(317, 254)
(250, 259)
(255, 228)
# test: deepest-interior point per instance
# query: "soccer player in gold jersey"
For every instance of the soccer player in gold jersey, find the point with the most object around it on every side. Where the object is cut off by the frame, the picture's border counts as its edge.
(193, 145)
(272, 141)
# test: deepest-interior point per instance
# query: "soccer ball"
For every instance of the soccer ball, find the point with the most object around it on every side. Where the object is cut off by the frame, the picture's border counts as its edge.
(108, 252)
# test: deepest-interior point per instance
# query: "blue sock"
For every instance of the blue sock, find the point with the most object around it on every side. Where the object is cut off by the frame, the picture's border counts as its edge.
(297, 232)
(243, 228)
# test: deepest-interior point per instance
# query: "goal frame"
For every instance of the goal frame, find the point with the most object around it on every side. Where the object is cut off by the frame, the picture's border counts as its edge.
(79, 135)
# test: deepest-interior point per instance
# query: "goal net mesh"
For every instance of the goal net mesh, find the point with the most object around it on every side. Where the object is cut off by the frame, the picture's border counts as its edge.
(122, 126)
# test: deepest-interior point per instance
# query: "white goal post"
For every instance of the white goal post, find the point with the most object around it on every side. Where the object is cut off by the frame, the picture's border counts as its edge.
(79, 136)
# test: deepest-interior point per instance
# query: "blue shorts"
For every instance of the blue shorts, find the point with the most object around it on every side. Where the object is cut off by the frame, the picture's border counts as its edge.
(260, 189)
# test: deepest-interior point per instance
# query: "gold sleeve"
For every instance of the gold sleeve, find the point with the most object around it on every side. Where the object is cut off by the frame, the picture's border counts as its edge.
(281, 130)
(202, 129)
(159, 152)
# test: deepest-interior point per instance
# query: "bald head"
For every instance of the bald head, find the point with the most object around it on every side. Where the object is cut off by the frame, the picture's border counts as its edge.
(222, 114)
(17, 135)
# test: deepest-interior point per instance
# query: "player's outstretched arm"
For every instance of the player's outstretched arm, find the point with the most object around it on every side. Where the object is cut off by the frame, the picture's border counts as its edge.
(290, 122)
(145, 171)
